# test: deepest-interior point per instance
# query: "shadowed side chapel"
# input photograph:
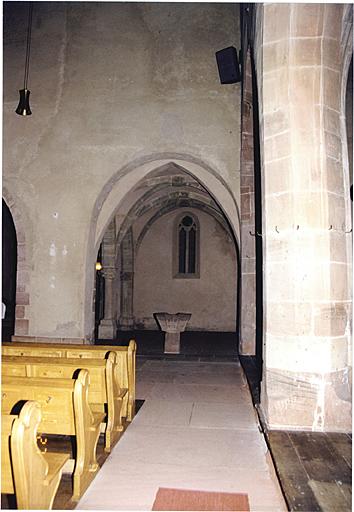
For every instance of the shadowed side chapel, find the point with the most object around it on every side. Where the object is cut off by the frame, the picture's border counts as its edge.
(183, 179)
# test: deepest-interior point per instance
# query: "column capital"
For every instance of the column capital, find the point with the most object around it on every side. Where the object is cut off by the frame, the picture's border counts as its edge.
(109, 272)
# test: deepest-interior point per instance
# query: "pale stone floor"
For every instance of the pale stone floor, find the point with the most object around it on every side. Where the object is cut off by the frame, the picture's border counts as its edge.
(197, 429)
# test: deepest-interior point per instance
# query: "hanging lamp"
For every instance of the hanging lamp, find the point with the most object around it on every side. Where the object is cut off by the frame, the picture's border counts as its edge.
(23, 108)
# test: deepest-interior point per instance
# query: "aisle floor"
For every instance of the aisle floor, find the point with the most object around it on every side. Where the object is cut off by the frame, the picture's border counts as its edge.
(197, 429)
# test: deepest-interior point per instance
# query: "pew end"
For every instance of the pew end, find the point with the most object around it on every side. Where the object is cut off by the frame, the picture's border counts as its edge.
(33, 476)
(65, 411)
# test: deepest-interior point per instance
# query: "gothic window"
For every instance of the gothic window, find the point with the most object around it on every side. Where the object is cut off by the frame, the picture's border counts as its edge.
(187, 250)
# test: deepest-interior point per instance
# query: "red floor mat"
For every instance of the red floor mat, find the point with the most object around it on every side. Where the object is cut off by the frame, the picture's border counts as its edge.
(181, 499)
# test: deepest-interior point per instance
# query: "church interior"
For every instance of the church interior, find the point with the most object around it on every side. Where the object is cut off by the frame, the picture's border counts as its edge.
(177, 256)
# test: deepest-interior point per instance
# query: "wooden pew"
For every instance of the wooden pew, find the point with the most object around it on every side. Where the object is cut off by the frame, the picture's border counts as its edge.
(28, 473)
(125, 368)
(65, 411)
(104, 392)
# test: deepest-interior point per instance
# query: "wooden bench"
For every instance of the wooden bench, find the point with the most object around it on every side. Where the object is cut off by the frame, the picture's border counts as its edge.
(125, 365)
(104, 392)
(65, 411)
(28, 473)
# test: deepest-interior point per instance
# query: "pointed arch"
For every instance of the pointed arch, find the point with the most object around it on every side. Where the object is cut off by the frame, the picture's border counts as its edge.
(125, 179)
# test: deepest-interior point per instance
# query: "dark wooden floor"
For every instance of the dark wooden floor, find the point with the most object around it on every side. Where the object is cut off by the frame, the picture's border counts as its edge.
(314, 469)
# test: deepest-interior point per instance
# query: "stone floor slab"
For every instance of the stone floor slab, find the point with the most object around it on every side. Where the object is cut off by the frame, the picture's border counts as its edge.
(193, 435)
(223, 416)
(263, 494)
(164, 413)
(154, 377)
(191, 447)
(209, 379)
(190, 366)
(197, 393)
(200, 378)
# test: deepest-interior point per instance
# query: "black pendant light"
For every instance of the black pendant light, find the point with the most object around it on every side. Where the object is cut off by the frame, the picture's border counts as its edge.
(23, 108)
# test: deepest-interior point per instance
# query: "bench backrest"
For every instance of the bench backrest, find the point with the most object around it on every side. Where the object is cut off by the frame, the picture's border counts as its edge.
(52, 368)
(125, 355)
(64, 402)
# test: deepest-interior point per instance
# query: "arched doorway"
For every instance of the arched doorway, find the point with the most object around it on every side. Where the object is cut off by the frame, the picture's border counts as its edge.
(149, 209)
(9, 270)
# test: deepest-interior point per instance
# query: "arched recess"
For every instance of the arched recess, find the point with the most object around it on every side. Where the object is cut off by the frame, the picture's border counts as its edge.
(347, 60)
(124, 180)
(208, 291)
(9, 269)
(347, 64)
(22, 298)
(346, 68)
(152, 206)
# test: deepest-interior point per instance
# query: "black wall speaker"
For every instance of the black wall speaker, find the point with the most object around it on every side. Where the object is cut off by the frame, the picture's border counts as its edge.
(227, 61)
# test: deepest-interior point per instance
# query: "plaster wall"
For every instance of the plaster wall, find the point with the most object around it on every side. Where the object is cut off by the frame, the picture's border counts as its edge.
(211, 298)
(110, 83)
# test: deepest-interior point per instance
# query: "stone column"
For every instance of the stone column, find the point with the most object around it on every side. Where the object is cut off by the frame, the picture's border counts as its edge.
(306, 214)
(126, 319)
(107, 328)
(108, 325)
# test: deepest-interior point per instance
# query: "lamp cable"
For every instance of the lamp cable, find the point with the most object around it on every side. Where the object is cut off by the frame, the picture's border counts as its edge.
(28, 47)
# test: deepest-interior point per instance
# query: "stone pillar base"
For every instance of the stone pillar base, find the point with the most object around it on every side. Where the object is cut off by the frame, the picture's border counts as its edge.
(126, 324)
(172, 342)
(307, 401)
(107, 329)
